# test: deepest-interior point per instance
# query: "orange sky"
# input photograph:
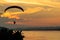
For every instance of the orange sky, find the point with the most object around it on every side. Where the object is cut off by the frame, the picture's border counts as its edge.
(37, 12)
(40, 22)
(54, 3)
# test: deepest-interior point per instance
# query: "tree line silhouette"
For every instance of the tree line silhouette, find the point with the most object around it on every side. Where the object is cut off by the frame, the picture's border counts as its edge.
(6, 34)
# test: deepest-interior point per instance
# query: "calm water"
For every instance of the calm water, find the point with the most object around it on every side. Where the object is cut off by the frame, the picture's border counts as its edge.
(41, 35)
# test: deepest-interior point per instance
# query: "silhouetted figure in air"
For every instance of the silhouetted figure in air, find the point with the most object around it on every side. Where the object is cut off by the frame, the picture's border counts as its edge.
(14, 22)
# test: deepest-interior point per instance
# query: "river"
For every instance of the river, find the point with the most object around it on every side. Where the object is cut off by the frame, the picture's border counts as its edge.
(41, 35)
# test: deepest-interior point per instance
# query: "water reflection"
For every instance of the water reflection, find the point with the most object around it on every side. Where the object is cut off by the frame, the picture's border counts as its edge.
(41, 35)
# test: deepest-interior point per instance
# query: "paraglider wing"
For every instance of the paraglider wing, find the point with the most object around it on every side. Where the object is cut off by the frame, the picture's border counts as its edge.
(14, 7)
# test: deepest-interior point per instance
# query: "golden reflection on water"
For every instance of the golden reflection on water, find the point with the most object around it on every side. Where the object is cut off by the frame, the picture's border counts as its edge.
(41, 35)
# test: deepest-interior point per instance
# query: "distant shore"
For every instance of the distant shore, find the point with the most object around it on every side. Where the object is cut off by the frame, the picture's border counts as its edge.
(36, 28)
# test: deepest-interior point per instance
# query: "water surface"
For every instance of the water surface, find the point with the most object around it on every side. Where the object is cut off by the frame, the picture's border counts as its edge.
(41, 35)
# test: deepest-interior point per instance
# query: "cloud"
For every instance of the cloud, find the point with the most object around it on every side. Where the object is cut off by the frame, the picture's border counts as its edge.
(48, 13)
(33, 10)
(16, 15)
(52, 3)
(55, 0)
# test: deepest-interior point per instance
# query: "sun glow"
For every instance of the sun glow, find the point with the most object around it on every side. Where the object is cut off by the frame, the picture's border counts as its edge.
(11, 15)
(11, 0)
(16, 15)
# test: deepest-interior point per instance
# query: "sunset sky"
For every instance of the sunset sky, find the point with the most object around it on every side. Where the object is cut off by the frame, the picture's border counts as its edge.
(36, 13)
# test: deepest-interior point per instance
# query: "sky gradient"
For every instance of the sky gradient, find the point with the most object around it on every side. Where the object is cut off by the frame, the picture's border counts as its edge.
(37, 12)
